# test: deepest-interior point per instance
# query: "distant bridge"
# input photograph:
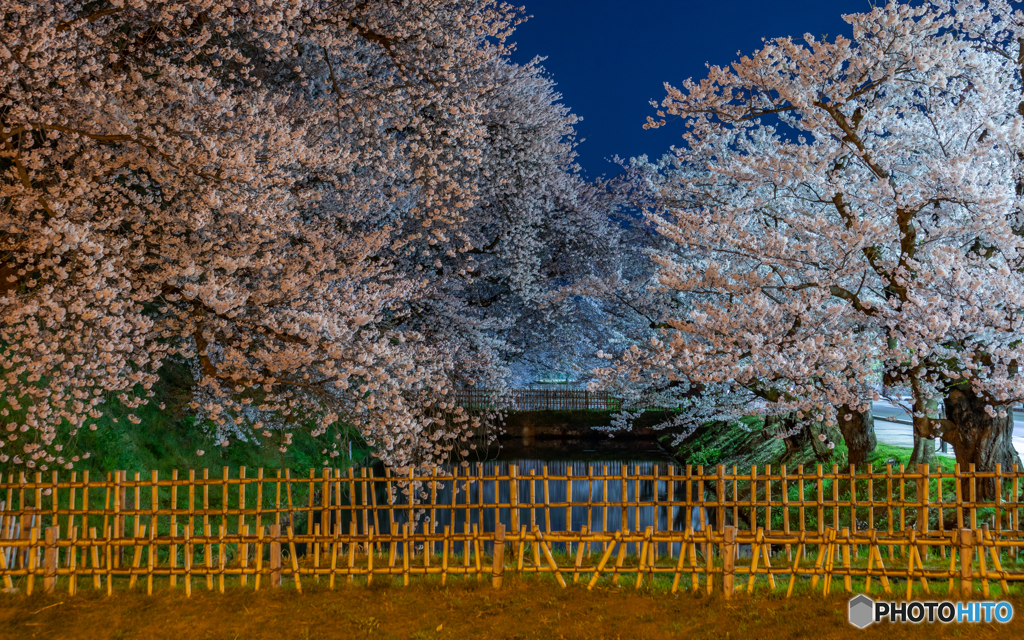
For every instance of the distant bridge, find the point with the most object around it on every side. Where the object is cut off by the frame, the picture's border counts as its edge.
(538, 400)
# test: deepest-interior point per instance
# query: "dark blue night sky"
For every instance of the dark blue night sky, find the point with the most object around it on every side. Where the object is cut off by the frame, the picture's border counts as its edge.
(611, 58)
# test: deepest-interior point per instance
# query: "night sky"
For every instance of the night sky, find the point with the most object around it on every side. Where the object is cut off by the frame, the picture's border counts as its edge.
(611, 58)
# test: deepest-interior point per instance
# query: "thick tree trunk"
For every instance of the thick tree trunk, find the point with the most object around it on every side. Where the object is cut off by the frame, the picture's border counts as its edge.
(858, 433)
(780, 424)
(820, 447)
(978, 438)
(924, 438)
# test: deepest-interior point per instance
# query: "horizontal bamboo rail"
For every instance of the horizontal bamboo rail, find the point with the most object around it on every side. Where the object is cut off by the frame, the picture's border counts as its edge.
(865, 528)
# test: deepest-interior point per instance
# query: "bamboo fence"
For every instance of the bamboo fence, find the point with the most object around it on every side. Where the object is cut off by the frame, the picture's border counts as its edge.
(538, 400)
(873, 529)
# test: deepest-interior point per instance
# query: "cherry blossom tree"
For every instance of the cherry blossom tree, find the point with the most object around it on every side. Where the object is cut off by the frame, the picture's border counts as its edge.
(837, 204)
(229, 183)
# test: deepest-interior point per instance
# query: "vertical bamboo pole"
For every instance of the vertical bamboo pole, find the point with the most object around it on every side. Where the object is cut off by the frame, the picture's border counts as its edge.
(568, 505)
(352, 530)
(499, 554)
(888, 506)
(71, 508)
(50, 560)
(636, 497)
(671, 516)
(275, 556)
(188, 554)
(903, 509)
(923, 491)
(966, 558)
(446, 547)
(243, 549)
(835, 497)
(604, 502)
(140, 534)
(94, 555)
(514, 507)
(72, 563)
(729, 562)
(547, 502)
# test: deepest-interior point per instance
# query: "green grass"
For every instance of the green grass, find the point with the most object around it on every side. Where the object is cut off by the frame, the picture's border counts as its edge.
(169, 438)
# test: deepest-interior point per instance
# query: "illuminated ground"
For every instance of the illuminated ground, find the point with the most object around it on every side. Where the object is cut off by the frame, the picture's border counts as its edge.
(465, 610)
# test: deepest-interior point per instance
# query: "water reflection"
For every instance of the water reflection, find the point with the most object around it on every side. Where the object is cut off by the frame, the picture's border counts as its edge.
(591, 496)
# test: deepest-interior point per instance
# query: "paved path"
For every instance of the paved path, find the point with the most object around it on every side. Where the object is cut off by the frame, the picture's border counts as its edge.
(901, 434)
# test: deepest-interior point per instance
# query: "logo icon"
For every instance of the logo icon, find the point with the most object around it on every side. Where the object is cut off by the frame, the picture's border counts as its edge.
(862, 611)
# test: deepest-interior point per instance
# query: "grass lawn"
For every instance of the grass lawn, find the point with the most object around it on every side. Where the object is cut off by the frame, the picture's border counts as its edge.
(525, 608)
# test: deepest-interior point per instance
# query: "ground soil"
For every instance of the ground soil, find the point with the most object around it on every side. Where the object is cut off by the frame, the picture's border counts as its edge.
(525, 608)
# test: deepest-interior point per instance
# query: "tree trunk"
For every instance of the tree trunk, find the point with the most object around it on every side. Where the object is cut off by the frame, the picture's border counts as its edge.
(858, 433)
(782, 424)
(819, 446)
(978, 438)
(925, 409)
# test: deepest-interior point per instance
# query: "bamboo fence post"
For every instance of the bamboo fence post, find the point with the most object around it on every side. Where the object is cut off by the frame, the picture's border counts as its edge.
(33, 538)
(405, 555)
(136, 556)
(903, 510)
(657, 490)
(221, 556)
(392, 530)
(620, 556)
(50, 560)
(94, 554)
(847, 580)
(71, 510)
(590, 504)
(671, 515)
(768, 501)
(513, 487)
(498, 568)
(729, 562)
(151, 559)
(275, 556)
(888, 507)
(973, 495)
(154, 513)
(353, 527)
(547, 555)
(72, 563)
(785, 512)
(294, 558)
(871, 500)
(938, 502)
(117, 495)
(108, 546)
(1016, 511)
(446, 547)
(568, 506)
(835, 496)
(188, 559)
(478, 548)
(923, 493)
(966, 558)
(853, 507)
(604, 501)
(752, 502)
(580, 547)
(174, 527)
(642, 556)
